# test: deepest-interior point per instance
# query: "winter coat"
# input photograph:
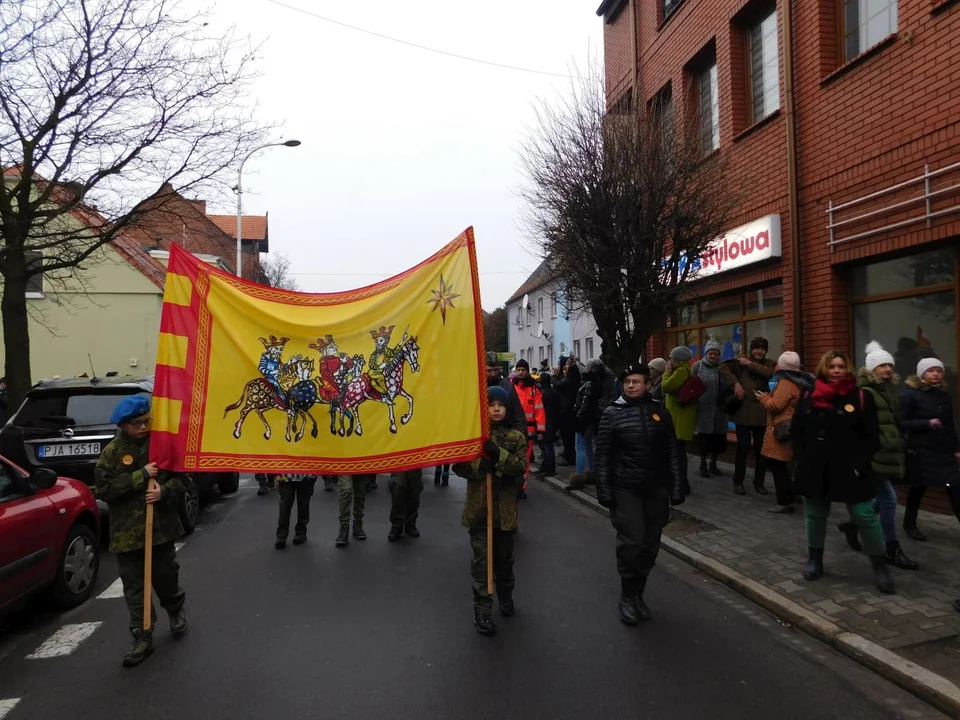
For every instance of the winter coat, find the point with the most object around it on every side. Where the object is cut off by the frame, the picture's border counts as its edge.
(531, 399)
(121, 483)
(635, 449)
(656, 389)
(587, 407)
(890, 461)
(551, 407)
(752, 377)
(711, 420)
(780, 406)
(931, 459)
(684, 416)
(567, 387)
(834, 448)
(508, 477)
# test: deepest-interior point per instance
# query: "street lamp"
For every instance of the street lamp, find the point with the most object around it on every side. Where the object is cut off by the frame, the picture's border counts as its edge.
(285, 143)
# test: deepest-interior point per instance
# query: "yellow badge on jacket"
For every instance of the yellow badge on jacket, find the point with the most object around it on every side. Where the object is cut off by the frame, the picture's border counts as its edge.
(848, 408)
(656, 417)
(127, 459)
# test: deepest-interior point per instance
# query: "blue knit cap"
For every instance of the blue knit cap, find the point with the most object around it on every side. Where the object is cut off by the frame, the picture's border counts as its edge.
(495, 393)
(130, 407)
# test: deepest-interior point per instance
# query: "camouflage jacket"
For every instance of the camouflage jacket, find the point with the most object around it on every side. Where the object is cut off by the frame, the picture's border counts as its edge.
(508, 479)
(122, 485)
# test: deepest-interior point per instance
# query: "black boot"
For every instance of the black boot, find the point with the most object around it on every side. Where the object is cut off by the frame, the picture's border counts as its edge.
(358, 531)
(704, 473)
(142, 647)
(910, 524)
(411, 530)
(881, 574)
(505, 598)
(343, 539)
(178, 623)
(299, 538)
(714, 470)
(628, 610)
(327, 484)
(898, 558)
(372, 484)
(484, 622)
(849, 530)
(396, 532)
(814, 564)
(445, 480)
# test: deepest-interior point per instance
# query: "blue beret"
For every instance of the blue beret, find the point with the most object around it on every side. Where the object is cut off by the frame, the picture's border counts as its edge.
(495, 393)
(130, 407)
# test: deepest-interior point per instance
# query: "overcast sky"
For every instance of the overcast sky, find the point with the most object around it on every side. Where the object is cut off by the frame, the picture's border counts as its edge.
(402, 148)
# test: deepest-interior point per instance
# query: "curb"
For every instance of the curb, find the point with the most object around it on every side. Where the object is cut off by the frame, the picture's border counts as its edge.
(928, 686)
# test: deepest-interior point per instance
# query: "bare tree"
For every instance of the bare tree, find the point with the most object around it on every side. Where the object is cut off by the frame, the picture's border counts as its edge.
(624, 204)
(102, 101)
(275, 272)
(496, 330)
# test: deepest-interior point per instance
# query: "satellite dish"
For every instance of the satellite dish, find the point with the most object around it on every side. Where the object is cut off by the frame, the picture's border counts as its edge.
(526, 302)
(540, 329)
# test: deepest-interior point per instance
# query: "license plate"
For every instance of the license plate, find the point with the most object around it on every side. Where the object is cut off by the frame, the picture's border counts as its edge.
(69, 450)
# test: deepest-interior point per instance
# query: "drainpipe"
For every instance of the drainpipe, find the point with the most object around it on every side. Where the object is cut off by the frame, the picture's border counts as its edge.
(793, 191)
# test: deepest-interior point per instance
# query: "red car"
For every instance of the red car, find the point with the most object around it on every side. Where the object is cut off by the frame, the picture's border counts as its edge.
(49, 537)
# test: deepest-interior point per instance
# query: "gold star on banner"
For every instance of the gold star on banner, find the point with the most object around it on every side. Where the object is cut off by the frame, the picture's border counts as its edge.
(443, 299)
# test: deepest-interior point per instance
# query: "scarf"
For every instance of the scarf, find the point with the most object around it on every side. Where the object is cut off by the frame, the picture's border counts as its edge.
(825, 393)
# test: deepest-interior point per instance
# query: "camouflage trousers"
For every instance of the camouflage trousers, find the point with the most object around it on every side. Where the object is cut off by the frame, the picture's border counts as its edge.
(166, 582)
(405, 489)
(502, 566)
(353, 492)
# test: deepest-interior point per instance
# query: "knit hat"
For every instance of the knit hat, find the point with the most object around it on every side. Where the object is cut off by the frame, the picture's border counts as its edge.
(759, 342)
(495, 393)
(523, 364)
(712, 345)
(681, 354)
(789, 361)
(928, 363)
(130, 407)
(877, 356)
(658, 364)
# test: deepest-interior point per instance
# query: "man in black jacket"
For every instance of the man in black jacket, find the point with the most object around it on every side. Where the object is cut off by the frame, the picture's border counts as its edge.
(638, 478)
(592, 397)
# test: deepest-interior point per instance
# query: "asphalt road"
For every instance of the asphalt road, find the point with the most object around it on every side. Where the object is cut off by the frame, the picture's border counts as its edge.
(385, 630)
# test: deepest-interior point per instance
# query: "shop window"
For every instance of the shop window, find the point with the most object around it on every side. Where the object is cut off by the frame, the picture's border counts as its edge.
(772, 330)
(864, 23)
(765, 301)
(723, 308)
(687, 338)
(763, 67)
(904, 274)
(729, 336)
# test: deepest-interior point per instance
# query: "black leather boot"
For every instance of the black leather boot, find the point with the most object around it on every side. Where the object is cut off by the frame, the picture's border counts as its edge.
(643, 612)
(505, 598)
(849, 529)
(814, 567)
(142, 647)
(358, 531)
(483, 620)
(343, 539)
(704, 472)
(910, 525)
(178, 623)
(628, 610)
(881, 574)
(396, 532)
(898, 558)
(411, 530)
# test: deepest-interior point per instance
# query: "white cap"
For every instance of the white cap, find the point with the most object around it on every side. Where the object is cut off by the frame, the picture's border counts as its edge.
(877, 356)
(926, 364)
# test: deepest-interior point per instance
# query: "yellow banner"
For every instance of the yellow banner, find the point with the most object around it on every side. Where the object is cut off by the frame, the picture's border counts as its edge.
(387, 377)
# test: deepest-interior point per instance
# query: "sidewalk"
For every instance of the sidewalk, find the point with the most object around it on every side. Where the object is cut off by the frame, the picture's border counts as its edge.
(731, 536)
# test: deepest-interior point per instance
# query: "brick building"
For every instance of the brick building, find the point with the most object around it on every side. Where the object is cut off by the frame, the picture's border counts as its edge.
(848, 159)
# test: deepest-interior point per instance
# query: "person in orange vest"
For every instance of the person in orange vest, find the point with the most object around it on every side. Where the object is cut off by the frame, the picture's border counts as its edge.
(532, 402)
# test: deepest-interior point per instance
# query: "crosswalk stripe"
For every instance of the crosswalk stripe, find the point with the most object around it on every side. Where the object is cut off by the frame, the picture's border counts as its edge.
(114, 591)
(7, 705)
(64, 641)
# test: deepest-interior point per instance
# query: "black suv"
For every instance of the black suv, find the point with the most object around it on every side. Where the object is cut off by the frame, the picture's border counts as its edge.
(64, 424)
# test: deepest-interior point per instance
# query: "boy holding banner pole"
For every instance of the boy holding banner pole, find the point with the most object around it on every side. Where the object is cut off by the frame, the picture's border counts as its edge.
(142, 502)
(490, 512)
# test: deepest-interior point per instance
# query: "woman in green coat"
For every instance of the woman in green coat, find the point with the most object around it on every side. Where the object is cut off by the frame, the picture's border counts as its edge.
(684, 417)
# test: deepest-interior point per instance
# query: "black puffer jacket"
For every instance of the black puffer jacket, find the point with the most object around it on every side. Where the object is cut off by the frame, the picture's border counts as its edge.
(636, 450)
(587, 407)
(930, 451)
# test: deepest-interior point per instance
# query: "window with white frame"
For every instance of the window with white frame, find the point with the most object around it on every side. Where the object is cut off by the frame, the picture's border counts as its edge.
(864, 23)
(576, 349)
(709, 96)
(550, 355)
(522, 351)
(553, 304)
(34, 282)
(519, 317)
(589, 348)
(540, 310)
(542, 353)
(763, 67)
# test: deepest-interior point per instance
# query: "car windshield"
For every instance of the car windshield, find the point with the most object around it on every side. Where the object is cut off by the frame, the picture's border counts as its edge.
(58, 410)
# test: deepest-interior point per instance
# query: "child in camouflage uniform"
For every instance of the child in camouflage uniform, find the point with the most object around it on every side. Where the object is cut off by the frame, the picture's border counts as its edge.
(127, 481)
(505, 456)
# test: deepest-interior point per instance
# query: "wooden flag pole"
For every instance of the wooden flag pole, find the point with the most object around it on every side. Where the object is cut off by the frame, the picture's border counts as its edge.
(148, 565)
(490, 533)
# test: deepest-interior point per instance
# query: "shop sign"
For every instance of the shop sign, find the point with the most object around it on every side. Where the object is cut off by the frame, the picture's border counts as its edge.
(745, 245)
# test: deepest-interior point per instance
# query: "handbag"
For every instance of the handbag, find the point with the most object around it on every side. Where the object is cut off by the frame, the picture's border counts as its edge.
(691, 390)
(781, 431)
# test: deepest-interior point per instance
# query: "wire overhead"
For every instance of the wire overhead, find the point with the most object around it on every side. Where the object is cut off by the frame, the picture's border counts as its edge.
(491, 63)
